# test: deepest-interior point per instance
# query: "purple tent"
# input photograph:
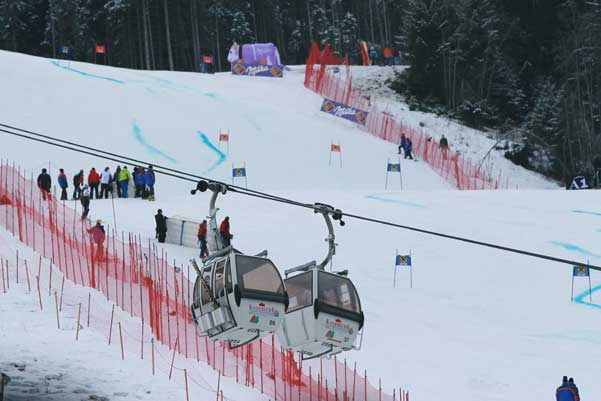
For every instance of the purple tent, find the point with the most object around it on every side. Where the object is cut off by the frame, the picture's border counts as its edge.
(255, 54)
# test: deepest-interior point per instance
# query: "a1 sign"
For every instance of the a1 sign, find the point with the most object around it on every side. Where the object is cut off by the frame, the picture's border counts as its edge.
(579, 182)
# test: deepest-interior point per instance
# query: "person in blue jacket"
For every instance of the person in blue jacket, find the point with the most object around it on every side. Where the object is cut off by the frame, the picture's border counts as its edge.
(567, 391)
(139, 180)
(408, 149)
(64, 184)
(149, 183)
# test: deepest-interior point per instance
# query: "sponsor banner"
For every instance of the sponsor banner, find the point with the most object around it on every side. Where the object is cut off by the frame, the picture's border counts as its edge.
(259, 313)
(343, 111)
(258, 70)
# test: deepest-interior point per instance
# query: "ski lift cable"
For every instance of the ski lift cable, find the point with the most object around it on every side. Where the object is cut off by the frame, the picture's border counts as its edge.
(49, 140)
(129, 160)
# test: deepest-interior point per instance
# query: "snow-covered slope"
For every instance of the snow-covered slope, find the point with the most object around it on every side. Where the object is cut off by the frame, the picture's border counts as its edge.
(473, 144)
(478, 324)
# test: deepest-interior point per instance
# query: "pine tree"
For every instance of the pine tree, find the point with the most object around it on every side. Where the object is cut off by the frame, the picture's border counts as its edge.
(241, 31)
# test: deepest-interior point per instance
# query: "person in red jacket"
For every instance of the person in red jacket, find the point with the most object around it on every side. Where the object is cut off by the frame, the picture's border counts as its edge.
(224, 229)
(93, 182)
(202, 237)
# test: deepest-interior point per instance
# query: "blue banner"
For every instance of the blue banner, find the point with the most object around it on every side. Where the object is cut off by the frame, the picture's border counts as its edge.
(343, 111)
(239, 172)
(581, 271)
(403, 260)
(394, 167)
(258, 70)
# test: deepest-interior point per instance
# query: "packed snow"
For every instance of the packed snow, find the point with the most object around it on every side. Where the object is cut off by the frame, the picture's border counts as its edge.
(478, 324)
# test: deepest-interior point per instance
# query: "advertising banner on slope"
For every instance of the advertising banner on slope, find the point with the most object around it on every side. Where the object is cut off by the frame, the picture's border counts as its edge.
(343, 111)
(261, 70)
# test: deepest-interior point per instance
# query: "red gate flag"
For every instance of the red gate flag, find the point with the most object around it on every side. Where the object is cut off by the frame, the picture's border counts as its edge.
(224, 137)
(335, 148)
(100, 49)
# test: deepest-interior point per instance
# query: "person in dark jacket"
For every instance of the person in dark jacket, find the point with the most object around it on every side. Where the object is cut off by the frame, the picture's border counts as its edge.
(77, 183)
(93, 182)
(44, 184)
(202, 238)
(444, 146)
(63, 183)
(402, 144)
(115, 181)
(85, 201)
(149, 183)
(567, 391)
(139, 180)
(408, 149)
(224, 229)
(161, 226)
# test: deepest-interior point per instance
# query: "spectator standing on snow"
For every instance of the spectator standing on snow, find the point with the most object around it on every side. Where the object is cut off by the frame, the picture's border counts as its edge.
(77, 183)
(139, 180)
(93, 182)
(567, 391)
(115, 181)
(161, 226)
(224, 229)
(408, 149)
(105, 183)
(202, 238)
(63, 183)
(149, 183)
(44, 184)
(373, 56)
(388, 56)
(123, 179)
(403, 143)
(85, 201)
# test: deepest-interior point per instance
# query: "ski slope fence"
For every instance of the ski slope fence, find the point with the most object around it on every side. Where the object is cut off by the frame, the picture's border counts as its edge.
(322, 75)
(156, 294)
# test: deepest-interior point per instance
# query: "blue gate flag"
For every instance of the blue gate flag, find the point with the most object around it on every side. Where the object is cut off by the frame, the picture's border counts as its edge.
(581, 271)
(239, 172)
(65, 50)
(394, 167)
(403, 260)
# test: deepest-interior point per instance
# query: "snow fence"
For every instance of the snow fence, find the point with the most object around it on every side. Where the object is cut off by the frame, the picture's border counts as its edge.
(455, 169)
(140, 280)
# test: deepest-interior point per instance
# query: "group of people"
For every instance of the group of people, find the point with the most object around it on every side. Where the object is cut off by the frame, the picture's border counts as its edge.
(224, 229)
(101, 185)
(406, 146)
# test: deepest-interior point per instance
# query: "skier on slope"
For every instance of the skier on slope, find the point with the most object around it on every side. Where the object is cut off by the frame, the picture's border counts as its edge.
(44, 184)
(97, 235)
(408, 149)
(64, 184)
(403, 143)
(224, 229)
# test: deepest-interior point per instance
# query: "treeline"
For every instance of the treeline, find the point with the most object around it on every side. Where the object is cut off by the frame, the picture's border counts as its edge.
(173, 34)
(529, 69)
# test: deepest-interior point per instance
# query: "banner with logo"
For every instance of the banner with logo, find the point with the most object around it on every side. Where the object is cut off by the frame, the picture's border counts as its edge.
(343, 111)
(258, 70)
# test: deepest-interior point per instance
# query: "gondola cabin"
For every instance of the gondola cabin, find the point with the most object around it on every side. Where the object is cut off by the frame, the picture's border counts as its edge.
(324, 316)
(239, 298)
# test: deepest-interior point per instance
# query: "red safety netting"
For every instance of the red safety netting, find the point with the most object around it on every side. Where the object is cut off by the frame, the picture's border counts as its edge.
(449, 164)
(139, 279)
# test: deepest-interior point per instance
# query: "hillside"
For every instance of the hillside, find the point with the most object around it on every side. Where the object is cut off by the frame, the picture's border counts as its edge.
(478, 324)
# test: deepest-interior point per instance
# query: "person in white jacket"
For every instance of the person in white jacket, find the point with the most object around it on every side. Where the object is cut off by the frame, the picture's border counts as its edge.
(105, 183)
